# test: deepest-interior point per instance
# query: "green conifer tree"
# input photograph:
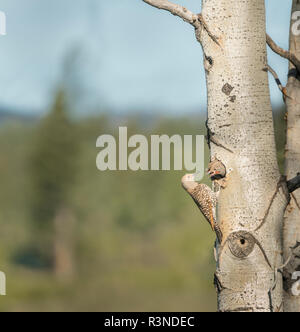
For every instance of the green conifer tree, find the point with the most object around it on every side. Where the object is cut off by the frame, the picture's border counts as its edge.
(53, 174)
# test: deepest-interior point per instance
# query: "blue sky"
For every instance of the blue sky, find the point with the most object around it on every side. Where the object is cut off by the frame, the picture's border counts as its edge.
(129, 52)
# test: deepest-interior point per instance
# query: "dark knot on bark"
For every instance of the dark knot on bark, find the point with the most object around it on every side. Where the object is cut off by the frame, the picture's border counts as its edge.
(241, 244)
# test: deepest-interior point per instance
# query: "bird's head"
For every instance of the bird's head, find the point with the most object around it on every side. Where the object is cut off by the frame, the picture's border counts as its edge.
(188, 182)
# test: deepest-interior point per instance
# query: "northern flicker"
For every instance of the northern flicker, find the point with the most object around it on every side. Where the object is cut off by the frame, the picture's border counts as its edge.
(205, 199)
(216, 169)
(217, 172)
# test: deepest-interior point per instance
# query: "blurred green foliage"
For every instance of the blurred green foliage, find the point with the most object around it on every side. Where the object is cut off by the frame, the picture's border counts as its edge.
(53, 162)
(53, 170)
(140, 242)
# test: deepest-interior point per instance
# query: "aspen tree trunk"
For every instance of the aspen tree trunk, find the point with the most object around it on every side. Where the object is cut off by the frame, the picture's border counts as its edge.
(292, 167)
(251, 207)
(252, 203)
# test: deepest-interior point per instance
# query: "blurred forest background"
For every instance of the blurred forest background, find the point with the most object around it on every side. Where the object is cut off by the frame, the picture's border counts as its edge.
(73, 238)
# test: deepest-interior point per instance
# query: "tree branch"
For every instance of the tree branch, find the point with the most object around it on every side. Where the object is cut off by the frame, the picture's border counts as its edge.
(278, 82)
(276, 78)
(294, 183)
(197, 21)
(176, 10)
(283, 53)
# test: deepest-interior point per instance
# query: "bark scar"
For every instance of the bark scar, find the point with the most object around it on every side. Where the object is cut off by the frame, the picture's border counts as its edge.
(218, 285)
(227, 89)
(241, 245)
(296, 201)
(211, 139)
(281, 184)
(208, 63)
(206, 28)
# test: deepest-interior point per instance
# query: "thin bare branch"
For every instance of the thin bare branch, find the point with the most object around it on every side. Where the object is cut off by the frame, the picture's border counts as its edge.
(197, 21)
(276, 78)
(176, 10)
(283, 53)
(294, 183)
(278, 82)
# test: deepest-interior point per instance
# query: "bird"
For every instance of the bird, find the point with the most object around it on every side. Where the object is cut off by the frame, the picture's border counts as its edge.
(217, 173)
(216, 169)
(205, 199)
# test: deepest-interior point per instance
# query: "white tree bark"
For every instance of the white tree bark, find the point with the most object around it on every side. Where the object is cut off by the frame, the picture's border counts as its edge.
(240, 116)
(251, 204)
(292, 166)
